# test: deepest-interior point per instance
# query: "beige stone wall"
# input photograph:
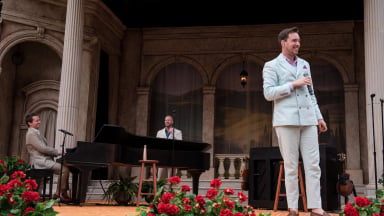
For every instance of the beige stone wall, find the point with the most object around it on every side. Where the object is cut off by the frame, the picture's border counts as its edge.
(211, 49)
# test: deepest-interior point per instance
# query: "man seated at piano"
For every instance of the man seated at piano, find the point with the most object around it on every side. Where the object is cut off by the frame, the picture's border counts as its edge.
(41, 156)
(168, 132)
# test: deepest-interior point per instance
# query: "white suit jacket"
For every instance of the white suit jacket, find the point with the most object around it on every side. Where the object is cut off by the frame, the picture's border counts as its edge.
(295, 107)
(178, 134)
(40, 154)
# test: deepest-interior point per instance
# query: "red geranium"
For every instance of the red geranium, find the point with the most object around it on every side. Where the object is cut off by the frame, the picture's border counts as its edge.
(174, 180)
(17, 194)
(179, 203)
(362, 201)
(228, 191)
(242, 197)
(30, 196)
(211, 193)
(216, 183)
(226, 212)
(349, 210)
(28, 209)
(185, 188)
(167, 196)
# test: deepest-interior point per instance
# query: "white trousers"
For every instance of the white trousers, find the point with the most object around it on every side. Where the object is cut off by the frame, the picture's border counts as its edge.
(293, 139)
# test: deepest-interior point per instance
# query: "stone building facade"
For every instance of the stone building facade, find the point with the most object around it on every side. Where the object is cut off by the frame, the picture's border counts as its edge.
(55, 55)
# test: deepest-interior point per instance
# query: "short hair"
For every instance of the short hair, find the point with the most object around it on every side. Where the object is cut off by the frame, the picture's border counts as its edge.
(283, 35)
(29, 118)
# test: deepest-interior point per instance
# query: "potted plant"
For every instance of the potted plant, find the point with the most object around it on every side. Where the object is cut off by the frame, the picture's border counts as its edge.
(147, 187)
(121, 191)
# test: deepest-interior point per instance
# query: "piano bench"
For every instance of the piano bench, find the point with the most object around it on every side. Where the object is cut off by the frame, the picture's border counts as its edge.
(147, 163)
(45, 175)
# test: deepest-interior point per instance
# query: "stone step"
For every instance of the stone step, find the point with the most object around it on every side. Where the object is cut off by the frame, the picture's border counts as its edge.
(95, 190)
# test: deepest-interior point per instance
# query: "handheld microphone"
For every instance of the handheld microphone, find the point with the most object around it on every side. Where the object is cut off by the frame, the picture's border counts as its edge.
(65, 132)
(310, 89)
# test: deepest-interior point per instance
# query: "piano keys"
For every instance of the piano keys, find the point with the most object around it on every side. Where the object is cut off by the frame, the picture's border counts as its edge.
(114, 146)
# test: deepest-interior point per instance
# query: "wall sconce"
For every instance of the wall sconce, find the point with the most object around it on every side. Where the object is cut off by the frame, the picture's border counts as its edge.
(243, 76)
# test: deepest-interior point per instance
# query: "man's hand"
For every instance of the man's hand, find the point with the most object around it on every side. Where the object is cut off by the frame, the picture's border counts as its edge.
(322, 126)
(302, 81)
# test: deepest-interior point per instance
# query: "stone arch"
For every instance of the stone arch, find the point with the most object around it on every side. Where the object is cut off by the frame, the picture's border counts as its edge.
(331, 60)
(38, 96)
(232, 60)
(175, 59)
(29, 36)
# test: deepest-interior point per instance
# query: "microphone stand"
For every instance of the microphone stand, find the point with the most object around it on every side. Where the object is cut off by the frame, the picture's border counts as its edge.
(61, 166)
(374, 143)
(382, 128)
(173, 145)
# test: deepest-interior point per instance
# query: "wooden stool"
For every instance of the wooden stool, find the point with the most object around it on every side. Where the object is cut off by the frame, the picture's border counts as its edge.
(47, 175)
(278, 194)
(147, 163)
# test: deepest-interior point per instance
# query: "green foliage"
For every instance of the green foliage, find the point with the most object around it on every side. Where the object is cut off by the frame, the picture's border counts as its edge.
(123, 185)
(17, 194)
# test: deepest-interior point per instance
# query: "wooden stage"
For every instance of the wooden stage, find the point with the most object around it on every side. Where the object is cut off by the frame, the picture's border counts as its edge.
(101, 208)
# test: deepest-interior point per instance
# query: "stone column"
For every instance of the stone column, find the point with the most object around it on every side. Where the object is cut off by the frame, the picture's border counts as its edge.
(208, 126)
(374, 76)
(142, 110)
(71, 68)
(352, 133)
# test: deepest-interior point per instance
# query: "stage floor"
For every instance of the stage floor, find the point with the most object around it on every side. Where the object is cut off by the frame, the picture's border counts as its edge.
(100, 208)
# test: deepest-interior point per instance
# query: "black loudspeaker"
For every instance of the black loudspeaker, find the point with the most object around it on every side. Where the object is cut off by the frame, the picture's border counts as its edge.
(264, 172)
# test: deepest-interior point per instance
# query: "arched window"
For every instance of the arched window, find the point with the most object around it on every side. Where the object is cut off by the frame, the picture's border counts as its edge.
(177, 91)
(243, 118)
(329, 90)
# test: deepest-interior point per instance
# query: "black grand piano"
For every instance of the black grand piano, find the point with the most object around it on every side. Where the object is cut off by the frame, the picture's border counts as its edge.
(114, 146)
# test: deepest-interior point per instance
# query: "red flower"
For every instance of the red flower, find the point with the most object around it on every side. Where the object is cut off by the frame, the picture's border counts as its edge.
(200, 199)
(242, 197)
(228, 191)
(349, 210)
(239, 214)
(162, 208)
(229, 204)
(216, 205)
(30, 184)
(186, 201)
(226, 212)
(14, 183)
(174, 180)
(362, 201)
(4, 189)
(11, 200)
(18, 174)
(216, 183)
(187, 208)
(30, 196)
(151, 214)
(167, 196)
(185, 188)
(211, 193)
(203, 211)
(172, 209)
(28, 209)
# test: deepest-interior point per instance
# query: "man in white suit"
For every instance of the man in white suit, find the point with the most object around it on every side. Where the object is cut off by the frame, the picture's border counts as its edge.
(41, 155)
(168, 132)
(296, 116)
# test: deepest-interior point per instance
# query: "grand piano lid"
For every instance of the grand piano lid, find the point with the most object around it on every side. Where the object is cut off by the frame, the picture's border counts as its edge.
(115, 134)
